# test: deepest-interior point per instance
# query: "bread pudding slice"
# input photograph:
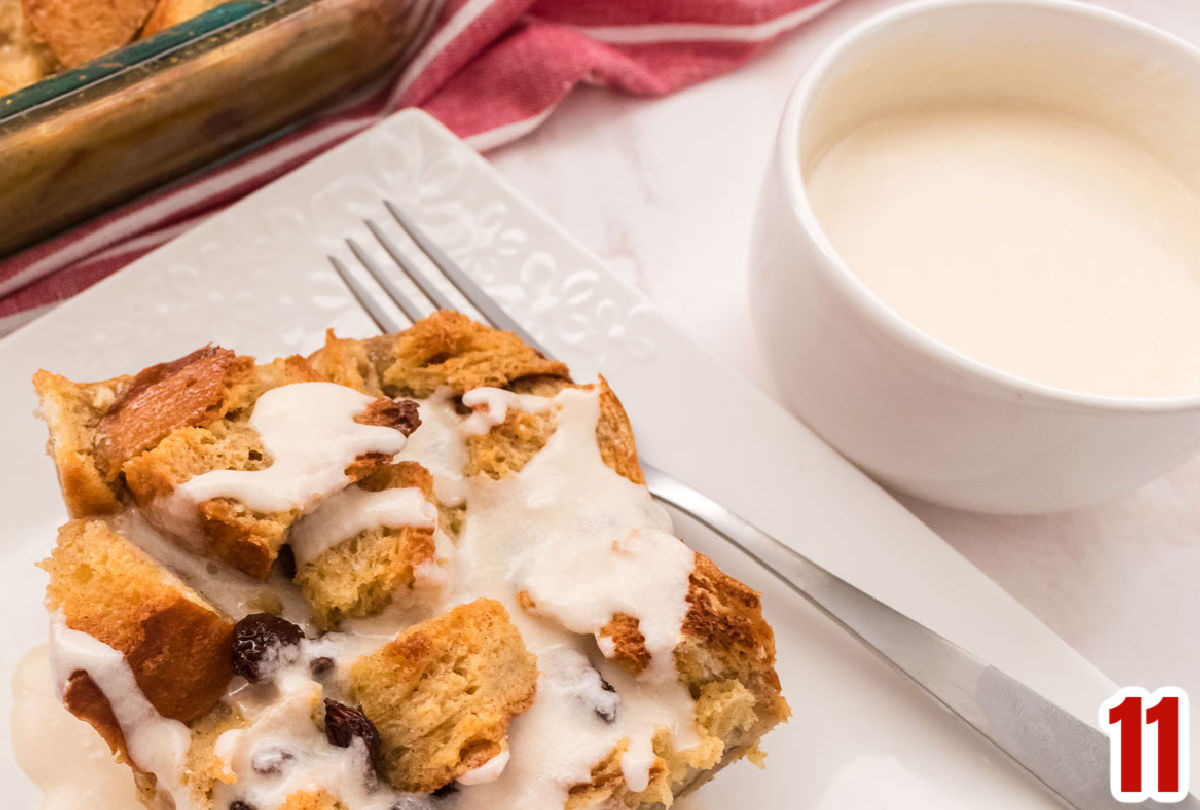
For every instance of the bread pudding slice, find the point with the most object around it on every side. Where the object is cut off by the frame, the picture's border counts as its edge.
(493, 614)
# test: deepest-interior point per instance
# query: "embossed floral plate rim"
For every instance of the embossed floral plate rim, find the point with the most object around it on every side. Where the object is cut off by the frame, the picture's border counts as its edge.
(255, 278)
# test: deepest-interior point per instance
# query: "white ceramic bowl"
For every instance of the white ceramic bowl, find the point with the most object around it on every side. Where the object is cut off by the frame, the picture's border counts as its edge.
(913, 412)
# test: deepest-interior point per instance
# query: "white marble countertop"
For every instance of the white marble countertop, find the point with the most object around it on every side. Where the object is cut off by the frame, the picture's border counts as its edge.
(665, 191)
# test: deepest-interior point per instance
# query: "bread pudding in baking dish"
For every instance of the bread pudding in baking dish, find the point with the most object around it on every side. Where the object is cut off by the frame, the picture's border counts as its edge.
(38, 38)
(413, 571)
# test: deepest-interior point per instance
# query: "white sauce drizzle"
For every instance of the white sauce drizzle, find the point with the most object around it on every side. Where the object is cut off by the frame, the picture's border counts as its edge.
(567, 503)
(280, 751)
(62, 754)
(354, 510)
(155, 744)
(231, 591)
(584, 585)
(438, 446)
(308, 430)
(490, 407)
(582, 540)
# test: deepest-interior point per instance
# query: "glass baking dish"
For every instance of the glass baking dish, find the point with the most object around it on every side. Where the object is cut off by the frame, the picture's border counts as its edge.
(82, 141)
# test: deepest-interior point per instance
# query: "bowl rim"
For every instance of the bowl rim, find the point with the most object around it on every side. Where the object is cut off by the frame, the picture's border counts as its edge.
(873, 306)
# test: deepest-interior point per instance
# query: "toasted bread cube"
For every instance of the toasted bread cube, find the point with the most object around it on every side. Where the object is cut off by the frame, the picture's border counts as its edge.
(178, 646)
(192, 391)
(509, 446)
(361, 575)
(72, 411)
(446, 349)
(442, 693)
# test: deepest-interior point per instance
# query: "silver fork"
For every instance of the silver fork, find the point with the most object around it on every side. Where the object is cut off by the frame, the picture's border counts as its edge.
(1069, 757)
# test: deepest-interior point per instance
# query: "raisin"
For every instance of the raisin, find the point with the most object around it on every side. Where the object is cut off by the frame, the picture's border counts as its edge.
(321, 666)
(259, 642)
(241, 805)
(286, 562)
(271, 761)
(343, 723)
(401, 414)
(448, 789)
(607, 710)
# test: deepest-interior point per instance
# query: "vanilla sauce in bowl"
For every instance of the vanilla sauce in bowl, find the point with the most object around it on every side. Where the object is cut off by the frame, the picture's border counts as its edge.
(1031, 239)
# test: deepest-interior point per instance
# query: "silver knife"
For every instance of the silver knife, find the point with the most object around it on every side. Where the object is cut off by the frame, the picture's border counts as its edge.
(1069, 757)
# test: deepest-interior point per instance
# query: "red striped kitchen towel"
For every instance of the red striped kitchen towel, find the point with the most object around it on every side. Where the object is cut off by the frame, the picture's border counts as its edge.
(492, 71)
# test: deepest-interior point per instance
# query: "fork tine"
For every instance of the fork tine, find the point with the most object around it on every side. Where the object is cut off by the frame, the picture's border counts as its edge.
(487, 307)
(439, 298)
(370, 304)
(406, 305)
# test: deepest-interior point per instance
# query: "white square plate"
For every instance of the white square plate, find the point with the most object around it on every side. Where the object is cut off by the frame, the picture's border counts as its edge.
(255, 279)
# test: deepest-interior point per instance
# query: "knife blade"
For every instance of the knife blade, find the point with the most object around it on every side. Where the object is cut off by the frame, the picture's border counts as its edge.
(1069, 757)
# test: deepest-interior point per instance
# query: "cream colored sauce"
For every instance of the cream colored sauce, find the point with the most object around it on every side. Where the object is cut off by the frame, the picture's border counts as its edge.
(309, 432)
(525, 531)
(155, 744)
(1038, 243)
(280, 752)
(62, 754)
(438, 445)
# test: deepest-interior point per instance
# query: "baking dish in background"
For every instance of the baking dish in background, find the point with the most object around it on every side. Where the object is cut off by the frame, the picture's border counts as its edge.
(82, 141)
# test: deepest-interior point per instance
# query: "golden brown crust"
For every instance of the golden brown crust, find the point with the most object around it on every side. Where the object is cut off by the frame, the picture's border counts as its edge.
(145, 435)
(614, 434)
(225, 529)
(72, 411)
(354, 363)
(442, 693)
(189, 392)
(78, 31)
(449, 349)
(85, 700)
(176, 645)
(727, 645)
(628, 644)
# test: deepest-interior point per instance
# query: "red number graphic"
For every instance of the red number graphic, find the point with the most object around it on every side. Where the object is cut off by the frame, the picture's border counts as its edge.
(1166, 714)
(1128, 715)
(1149, 743)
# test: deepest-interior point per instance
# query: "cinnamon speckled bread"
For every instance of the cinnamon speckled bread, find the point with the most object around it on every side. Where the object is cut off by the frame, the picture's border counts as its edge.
(491, 613)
